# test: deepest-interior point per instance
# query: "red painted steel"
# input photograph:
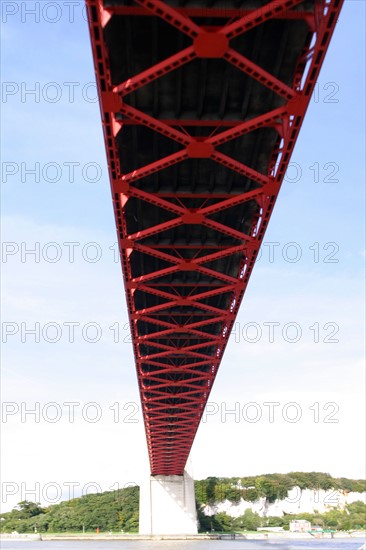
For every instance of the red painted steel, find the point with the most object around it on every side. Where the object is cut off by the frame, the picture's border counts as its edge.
(178, 356)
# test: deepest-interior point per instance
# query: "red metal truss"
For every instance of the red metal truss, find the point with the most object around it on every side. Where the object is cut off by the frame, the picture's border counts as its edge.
(201, 109)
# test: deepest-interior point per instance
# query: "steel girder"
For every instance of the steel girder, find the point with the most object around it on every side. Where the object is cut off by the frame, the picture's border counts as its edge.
(186, 268)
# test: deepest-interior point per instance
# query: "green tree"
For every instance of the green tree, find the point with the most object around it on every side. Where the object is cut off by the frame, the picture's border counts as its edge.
(28, 509)
(250, 521)
(222, 522)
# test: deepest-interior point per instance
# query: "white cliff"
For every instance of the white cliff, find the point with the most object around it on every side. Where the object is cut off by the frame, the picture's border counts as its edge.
(297, 502)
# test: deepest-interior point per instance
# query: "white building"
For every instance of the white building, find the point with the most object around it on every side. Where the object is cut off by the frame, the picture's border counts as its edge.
(300, 526)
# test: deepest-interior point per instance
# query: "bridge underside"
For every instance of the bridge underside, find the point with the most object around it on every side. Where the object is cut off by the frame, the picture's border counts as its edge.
(201, 104)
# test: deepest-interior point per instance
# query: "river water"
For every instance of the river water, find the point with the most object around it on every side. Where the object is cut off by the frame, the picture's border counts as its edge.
(329, 544)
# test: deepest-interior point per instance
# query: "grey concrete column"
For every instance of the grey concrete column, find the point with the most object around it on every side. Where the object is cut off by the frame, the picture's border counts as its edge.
(167, 506)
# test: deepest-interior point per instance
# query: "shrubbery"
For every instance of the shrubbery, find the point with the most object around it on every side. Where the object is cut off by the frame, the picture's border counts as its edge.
(352, 518)
(110, 511)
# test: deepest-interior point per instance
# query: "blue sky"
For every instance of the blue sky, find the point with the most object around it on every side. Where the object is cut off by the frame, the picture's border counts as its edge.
(323, 289)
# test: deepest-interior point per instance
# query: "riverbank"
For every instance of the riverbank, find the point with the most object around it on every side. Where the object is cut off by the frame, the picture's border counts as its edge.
(203, 536)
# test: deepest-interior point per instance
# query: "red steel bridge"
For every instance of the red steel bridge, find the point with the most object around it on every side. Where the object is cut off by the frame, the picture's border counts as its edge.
(202, 102)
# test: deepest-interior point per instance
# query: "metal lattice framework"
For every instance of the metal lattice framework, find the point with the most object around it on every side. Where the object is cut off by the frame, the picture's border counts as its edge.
(201, 108)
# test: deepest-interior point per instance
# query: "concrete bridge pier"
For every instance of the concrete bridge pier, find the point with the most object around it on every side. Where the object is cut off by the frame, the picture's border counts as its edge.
(168, 506)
